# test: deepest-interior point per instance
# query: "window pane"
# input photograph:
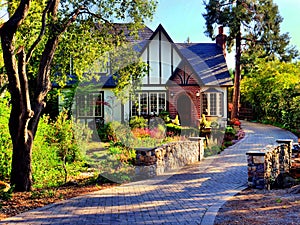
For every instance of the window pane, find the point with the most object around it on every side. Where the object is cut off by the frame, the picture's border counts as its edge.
(213, 104)
(153, 103)
(90, 105)
(221, 105)
(144, 104)
(162, 102)
(80, 104)
(99, 105)
(135, 106)
(91, 102)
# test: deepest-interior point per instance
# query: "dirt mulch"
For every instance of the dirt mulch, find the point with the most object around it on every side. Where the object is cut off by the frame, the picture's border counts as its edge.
(256, 207)
(24, 201)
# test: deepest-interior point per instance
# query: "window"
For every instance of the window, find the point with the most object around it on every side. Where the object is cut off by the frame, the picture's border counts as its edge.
(90, 105)
(213, 103)
(148, 103)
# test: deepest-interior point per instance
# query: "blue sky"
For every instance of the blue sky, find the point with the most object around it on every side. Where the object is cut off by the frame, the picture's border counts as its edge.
(183, 19)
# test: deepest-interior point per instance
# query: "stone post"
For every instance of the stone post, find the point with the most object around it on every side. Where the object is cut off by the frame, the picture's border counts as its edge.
(201, 145)
(288, 142)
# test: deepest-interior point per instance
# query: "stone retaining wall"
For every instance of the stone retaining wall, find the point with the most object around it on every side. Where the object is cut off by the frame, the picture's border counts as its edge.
(151, 162)
(268, 168)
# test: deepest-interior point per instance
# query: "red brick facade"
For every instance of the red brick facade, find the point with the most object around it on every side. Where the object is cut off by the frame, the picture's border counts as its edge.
(185, 87)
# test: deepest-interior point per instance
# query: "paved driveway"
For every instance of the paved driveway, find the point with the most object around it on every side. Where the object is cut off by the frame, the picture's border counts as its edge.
(192, 195)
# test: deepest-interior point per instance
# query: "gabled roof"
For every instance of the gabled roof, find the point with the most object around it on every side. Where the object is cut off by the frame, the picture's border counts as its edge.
(208, 62)
(205, 59)
(124, 28)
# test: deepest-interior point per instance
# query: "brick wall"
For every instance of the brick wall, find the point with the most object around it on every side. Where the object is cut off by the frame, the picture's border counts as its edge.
(185, 83)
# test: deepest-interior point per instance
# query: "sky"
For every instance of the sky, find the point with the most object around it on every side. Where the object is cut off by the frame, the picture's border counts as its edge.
(183, 19)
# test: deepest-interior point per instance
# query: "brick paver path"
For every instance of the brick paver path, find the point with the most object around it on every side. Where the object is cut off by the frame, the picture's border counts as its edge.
(192, 195)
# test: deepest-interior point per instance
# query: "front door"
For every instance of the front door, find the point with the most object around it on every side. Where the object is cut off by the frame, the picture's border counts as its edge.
(184, 110)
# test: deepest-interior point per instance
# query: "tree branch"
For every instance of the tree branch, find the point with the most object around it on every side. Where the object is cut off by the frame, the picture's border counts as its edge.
(43, 78)
(42, 32)
(24, 82)
(17, 18)
(87, 11)
(26, 112)
(253, 40)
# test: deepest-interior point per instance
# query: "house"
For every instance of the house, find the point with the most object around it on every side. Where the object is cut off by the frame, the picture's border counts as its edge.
(185, 79)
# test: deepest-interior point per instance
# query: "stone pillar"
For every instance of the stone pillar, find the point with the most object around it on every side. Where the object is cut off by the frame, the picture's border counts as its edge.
(256, 169)
(289, 143)
(201, 145)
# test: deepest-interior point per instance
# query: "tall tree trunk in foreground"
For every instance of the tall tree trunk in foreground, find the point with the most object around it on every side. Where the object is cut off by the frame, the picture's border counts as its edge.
(237, 78)
(24, 118)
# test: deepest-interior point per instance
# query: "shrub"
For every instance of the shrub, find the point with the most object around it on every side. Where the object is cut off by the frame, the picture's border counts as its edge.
(103, 132)
(230, 130)
(53, 140)
(121, 133)
(165, 115)
(235, 122)
(173, 129)
(141, 132)
(57, 150)
(5, 140)
(204, 123)
(138, 122)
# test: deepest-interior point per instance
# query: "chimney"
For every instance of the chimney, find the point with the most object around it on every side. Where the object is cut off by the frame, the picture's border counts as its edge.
(221, 40)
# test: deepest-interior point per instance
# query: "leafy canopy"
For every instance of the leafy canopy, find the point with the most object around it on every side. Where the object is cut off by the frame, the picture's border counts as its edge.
(86, 40)
(257, 20)
(273, 89)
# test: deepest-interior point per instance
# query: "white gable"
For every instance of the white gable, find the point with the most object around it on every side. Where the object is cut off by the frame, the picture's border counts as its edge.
(162, 59)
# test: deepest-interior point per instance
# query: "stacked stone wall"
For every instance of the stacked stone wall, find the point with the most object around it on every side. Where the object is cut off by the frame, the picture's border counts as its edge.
(151, 162)
(268, 168)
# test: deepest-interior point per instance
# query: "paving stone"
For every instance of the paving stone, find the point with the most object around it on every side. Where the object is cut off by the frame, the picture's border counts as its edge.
(192, 195)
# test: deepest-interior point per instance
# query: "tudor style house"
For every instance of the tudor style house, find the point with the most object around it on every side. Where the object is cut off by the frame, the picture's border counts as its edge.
(184, 79)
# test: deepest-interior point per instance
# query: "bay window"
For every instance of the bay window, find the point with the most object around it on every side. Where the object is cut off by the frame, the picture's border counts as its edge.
(213, 103)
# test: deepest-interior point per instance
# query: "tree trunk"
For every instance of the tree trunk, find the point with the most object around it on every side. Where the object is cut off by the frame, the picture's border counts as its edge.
(21, 174)
(24, 119)
(237, 78)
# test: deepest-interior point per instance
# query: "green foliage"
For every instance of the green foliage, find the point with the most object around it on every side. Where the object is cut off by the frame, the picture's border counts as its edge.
(213, 150)
(175, 130)
(165, 115)
(58, 150)
(5, 141)
(6, 194)
(230, 130)
(118, 166)
(93, 41)
(273, 89)
(121, 133)
(138, 122)
(61, 38)
(258, 20)
(105, 133)
(204, 123)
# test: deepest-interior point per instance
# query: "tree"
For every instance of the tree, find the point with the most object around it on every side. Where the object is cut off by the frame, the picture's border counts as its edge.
(254, 27)
(273, 89)
(29, 40)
